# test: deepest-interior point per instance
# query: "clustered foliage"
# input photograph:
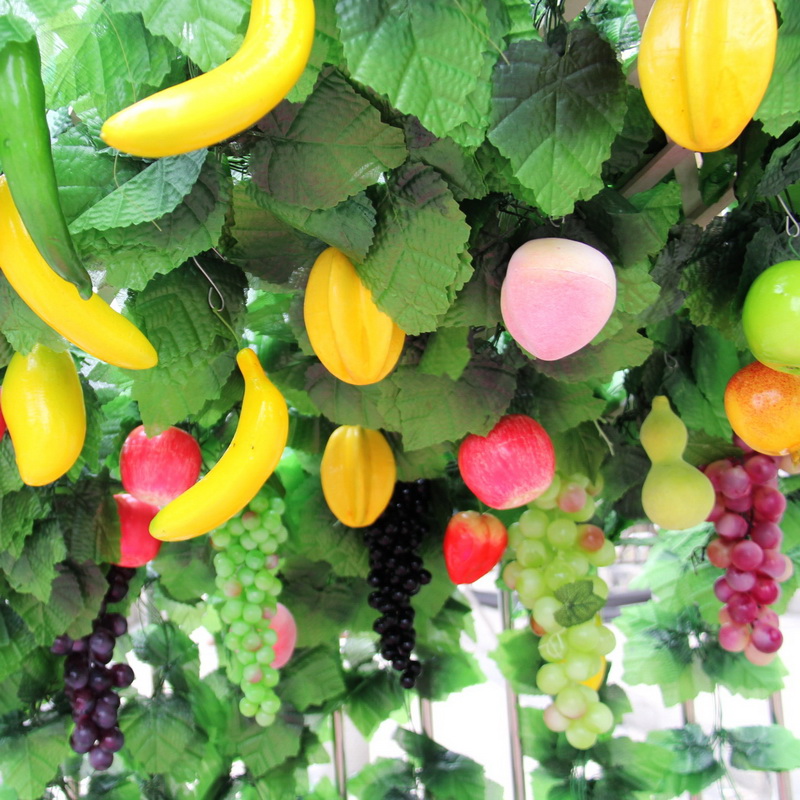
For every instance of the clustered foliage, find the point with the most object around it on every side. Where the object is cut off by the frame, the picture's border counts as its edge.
(426, 140)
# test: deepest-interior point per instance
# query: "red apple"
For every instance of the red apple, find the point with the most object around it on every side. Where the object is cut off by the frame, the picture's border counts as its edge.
(510, 466)
(282, 622)
(136, 545)
(157, 469)
(473, 544)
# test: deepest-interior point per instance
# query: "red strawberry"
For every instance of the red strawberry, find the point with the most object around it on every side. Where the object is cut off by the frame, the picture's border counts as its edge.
(473, 544)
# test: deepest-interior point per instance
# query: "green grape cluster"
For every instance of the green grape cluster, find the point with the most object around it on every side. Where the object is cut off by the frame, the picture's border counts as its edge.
(553, 546)
(248, 586)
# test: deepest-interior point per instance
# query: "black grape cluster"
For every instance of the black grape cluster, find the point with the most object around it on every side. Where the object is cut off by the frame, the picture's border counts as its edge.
(396, 574)
(90, 680)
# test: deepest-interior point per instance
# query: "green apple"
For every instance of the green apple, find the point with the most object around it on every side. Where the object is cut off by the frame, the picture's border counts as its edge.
(771, 317)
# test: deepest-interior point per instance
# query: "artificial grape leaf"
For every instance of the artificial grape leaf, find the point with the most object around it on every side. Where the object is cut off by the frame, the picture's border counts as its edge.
(447, 673)
(441, 620)
(165, 645)
(446, 353)
(385, 779)
(20, 327)
(429, 409)
(132, 255)
(147, 196)
(34, 569)
(29, 761)
(335, 146)
(555, 116)
(430, 462)
(327, 49)
(427, 60)
(517, 656)
(342, 402)
(263, 749)
(581, 450)
(694, 750)
(714, 361)
(540, 743)
(14, 29)
(772, 748)
(158, 731)
(739, 676)
(416, 263)
(264, 244)
(89, 521)
(311, 678)
(99, 59)
(19, 511)
(782, 170)
(185, 569)
(10, 480)
(348, 226)
(206, 31)
(16, 642)
(694, 408)
(778, 109)
(630, 148)
(579, 603)
(372, 698)
(559, 406)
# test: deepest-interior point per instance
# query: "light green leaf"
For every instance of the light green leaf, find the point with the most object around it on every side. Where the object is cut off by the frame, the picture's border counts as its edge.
(427, 60)
(29, 762)
(778, 109)
(446, 673)
(311, 678)
(263, 749)
(185, 569)
(149, 195)
(132, 255)
(373, 699)
(555, 116)
(636, 290)
(772, 748)
(416, 265)
(14, 29)
(517, 656)
(335, 146)
(158, 731)
(385, 779)
(739, 676)
(95, 59)
(207, 31)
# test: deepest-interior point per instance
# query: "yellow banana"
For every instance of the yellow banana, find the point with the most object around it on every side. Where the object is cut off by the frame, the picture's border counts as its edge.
(358, 474)
(42, 402)
(236, 478)
(228, 99)
(351, 336)
(89, 324)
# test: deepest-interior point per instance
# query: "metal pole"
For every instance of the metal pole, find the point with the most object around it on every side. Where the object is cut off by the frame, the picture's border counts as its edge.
(690, 718)
(782, 778)
(517, 767)
(426, 716)
(339, 765)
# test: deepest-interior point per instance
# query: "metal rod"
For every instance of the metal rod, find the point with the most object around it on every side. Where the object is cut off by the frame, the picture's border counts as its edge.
(782, 778)
(517, 767)
(426, 716)
(690, 718)
(340, 768)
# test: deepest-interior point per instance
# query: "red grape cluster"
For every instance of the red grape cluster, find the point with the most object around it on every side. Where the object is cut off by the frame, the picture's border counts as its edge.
(746, 516)
(90, 681)
(396, 573)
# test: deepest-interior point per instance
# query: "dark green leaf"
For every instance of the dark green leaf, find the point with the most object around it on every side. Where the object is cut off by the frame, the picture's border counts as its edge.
(580, 603)
(185, 569)
(372, 699)
(34, 569)
(772, 748)
(311, 678)
(384, 779)
(29, 761)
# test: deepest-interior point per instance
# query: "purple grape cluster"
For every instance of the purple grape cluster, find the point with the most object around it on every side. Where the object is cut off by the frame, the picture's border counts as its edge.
(90, 680)
(396, 574)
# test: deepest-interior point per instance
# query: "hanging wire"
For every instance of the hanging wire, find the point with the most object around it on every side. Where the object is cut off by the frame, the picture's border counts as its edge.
(213, 288)
(792, 226)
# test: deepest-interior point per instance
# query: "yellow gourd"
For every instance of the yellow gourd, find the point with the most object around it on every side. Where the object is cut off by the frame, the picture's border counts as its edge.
(358, 474)
(704, 66)
(351, 336)
(675, 494)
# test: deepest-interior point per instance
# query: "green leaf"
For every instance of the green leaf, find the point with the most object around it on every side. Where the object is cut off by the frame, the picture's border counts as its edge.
(164, 645)
(333, 146)
(556, 116)
(19, 511)
(311, 678)
(739, 676)
(694, 750)
(694, 408)
(427, 60)
(185, 569)
(772, 748)
(149, 195)
(558, 406)
(89, 521)
(134, 254)
(580, 603)
(10, 480)
(263, 749)
(16, 642)
(429, 409)
(100, 60)
(416, 263)
(29, 762)
(447, 673)
(446, 353)
(158, 731)
(782, 170)
(372, 699)
(194, 346)
(384, 779)
(517, 656)
(778, 109)
(14, 29)
(34, 569)
(21, 327)
(327, 49)
(581, 450)
(207, 31)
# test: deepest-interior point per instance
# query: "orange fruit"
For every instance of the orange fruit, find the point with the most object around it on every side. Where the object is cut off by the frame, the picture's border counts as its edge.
(763, 408)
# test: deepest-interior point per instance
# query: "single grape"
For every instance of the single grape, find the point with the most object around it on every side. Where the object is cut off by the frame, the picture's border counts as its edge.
(766, 638)
(768, 617)
(104, 715)
(584, 637)
(722, 589)
(718, 552)
(571, 702)
(83, 701)
(100, 759)
(571, 497)
(558, 572)
(76, 671)
(715, 469)
(122, 675)
(579, 736)
(83, 737)
(735, 482)
(582, 666)
(544, 611)
(741, 505)
(769, 503)
(731, 526)
(765, 591)
(532, 523)
(112, 740)
(551, 678)
(530, 586)
(61, 645)
(742, 608)
(101, 643)
(562, 533)
(734, 638)
(605, 556)
(554, 719)
(591, 538)
(598, 718)
(533, 553)
(760, 468)
(755, 656)
(553, 646)
(773, 565)
(746, 555)
(100, 679)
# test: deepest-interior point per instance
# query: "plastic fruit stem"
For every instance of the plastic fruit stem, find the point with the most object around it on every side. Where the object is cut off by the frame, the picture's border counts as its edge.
(89, 324)
(244, 467)
(213, 106)
(27, 160)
